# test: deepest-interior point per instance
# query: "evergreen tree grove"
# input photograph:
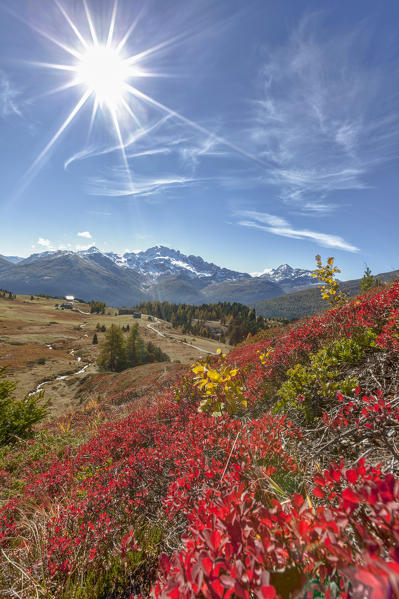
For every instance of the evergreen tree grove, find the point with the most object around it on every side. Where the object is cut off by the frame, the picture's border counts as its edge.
(116, 354)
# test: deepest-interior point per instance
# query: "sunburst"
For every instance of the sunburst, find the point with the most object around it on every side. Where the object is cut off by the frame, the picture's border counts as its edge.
(108, 78)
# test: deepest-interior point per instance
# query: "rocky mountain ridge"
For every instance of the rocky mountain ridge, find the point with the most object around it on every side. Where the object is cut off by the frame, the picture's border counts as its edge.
(158, 273)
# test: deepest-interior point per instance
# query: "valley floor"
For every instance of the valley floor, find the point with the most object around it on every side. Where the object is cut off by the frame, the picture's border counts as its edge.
(51, 349)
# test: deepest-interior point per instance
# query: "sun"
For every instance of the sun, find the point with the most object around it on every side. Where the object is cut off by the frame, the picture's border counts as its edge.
(104, 73)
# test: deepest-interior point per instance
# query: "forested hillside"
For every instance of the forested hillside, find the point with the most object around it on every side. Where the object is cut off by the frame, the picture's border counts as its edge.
(270, 472)
(223, 321)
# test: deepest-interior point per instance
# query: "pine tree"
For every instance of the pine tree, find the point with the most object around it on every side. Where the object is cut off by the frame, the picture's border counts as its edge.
(368, 281)
(141, 351)
(95, 340)
(112, 356)
(132, 358)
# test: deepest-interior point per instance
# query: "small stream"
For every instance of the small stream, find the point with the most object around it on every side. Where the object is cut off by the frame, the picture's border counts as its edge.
(62, 377)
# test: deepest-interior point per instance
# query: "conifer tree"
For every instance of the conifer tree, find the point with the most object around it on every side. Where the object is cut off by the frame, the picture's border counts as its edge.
(112, 356)
(131, 348)
(368, 281)
(95, 339)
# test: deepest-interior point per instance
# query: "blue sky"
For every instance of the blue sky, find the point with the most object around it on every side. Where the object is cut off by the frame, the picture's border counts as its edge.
(252, 133)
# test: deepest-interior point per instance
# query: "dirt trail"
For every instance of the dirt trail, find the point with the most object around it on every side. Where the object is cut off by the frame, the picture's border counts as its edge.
(180, 341)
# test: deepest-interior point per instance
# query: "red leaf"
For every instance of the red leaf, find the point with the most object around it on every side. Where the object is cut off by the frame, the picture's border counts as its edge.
(267, 592)
(319, 480)
(207, 564)
(298, 499)
(336, 474)
(318, 492)
(350, 496)
(351, 476)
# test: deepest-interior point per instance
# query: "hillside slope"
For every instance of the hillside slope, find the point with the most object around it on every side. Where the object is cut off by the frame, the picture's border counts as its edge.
(308, 301)
(266, 473)
(61, 273)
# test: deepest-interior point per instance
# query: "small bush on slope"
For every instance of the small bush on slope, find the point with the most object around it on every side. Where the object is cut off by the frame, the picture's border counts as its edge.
(235, 507)
(311, 388)
(17, 417)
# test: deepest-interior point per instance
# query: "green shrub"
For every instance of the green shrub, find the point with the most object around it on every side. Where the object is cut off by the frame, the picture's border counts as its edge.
(310, 388)
(17, 417)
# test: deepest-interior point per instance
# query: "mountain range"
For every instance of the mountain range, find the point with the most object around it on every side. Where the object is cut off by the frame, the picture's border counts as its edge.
(158, 273)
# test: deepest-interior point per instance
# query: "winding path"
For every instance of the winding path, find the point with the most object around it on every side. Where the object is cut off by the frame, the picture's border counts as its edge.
(178, 340)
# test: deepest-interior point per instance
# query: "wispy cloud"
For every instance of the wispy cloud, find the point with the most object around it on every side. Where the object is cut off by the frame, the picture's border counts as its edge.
(131, 141)
(279, 226)
(199, 148)
(325, 117)
(117, 183)
(150, 152)
(8, 97)
(85, 234)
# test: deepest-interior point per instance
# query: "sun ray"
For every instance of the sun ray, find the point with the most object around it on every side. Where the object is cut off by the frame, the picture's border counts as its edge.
(52, 141)
(112, 25)
(137, 57)
(92, 118)
(138, 94)
(129, 32)
(91, 25)
(145, 74)
(55, 90)
(72, 24)
(51, 65)
(121, 145)
(130, 111)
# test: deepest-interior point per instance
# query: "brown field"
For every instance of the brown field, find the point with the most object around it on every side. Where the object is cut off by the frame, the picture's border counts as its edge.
(36, 331)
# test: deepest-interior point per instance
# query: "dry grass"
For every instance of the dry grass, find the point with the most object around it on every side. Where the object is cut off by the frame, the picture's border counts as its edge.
(36, 330)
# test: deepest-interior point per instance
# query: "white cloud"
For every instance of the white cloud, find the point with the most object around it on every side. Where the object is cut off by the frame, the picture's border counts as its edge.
(279, 226)
(8, 97)
(46, 243)
(85, 234)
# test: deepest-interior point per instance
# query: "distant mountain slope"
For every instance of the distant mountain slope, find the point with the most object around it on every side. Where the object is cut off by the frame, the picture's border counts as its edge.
(175, 289)
(241, 291)
(4, 262)
(308, 301)
(66, 273)
(290, 279)
(12, 259)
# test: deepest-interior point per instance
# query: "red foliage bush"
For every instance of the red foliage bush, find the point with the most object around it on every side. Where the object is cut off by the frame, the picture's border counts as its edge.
(224, 482)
